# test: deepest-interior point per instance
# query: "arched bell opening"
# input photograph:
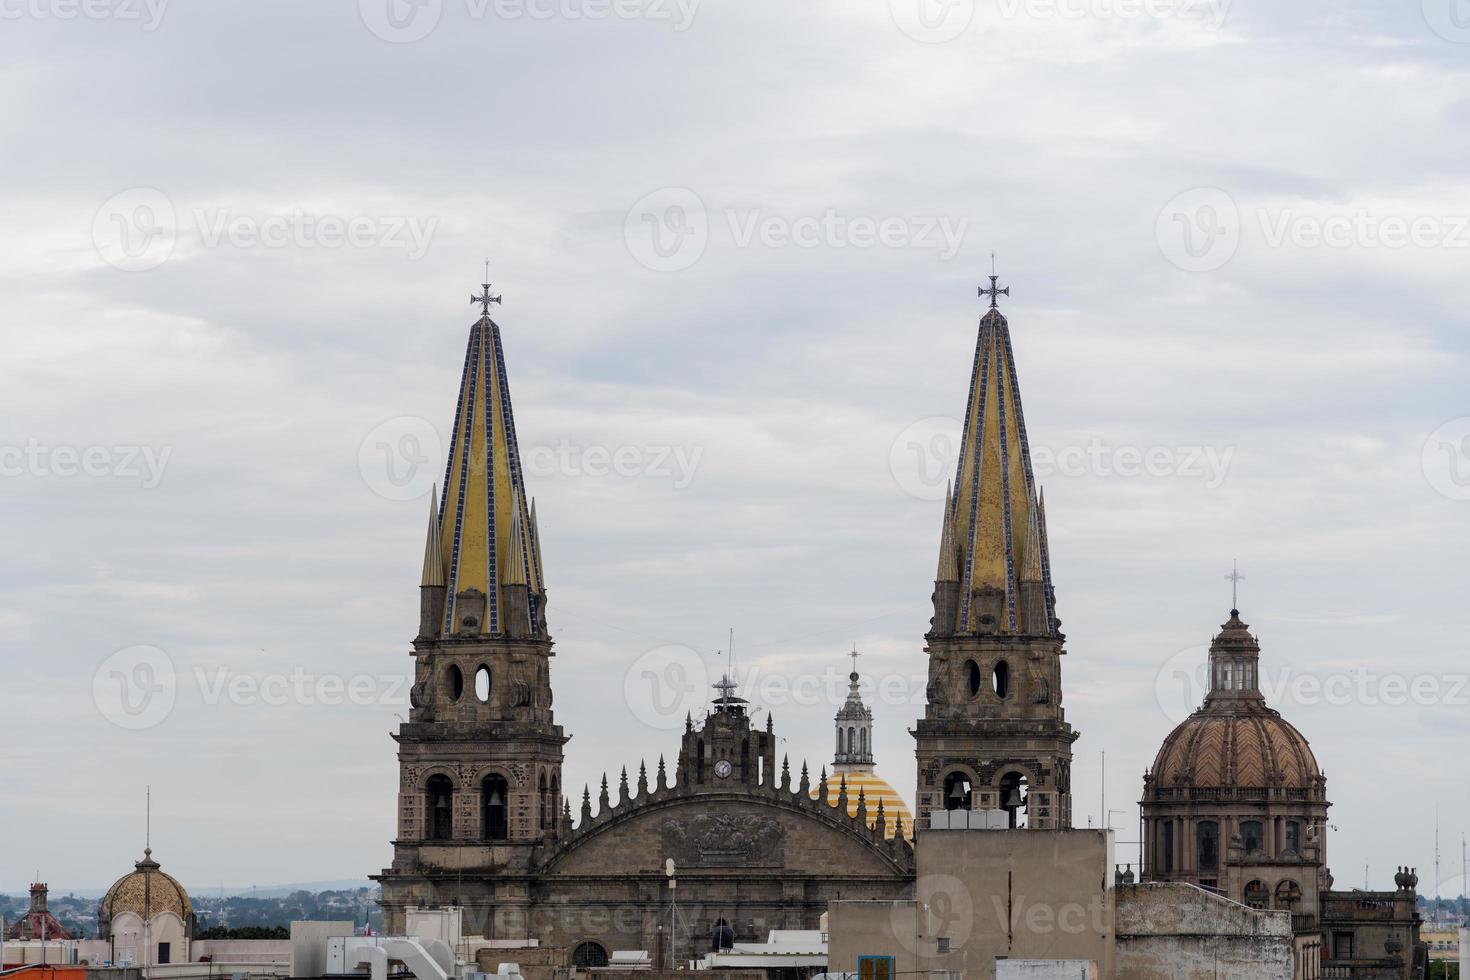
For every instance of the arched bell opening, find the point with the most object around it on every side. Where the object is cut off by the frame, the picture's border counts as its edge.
(958, 793)
(1014, 798)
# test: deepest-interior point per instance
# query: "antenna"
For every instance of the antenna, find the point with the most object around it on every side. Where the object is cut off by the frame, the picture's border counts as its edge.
(731, 648)
(148, 817)
(1436, 853)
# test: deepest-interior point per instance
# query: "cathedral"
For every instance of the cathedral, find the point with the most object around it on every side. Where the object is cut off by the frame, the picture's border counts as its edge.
(741, 840)
(755, 842)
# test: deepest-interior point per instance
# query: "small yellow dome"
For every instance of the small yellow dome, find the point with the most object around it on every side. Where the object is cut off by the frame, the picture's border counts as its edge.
(874, 788)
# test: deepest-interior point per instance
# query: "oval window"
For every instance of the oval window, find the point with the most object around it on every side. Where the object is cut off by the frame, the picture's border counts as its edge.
(1000, 680)
(456, 683)
(972, 669)
(482, 684)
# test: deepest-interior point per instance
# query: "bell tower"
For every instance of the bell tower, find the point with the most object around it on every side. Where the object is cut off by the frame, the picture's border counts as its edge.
(994, 735)
(480, 756)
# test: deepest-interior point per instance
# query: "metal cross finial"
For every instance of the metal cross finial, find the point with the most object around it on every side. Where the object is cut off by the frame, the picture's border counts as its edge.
(854, 655)
(1234, 578)
(994, 291)
(726, 687)
(486, 297)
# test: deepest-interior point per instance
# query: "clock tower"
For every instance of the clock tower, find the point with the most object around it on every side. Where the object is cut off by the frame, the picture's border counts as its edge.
(726, 750)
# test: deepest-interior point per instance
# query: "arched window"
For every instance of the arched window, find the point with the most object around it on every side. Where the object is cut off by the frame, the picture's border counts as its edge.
(851, 741)
(863, 737)
(1207, 837)
(972, 677)
(495, 807)
(1013, 798)
(543, 807)
(957, 791)
(589, 954)
(1168, 846)
(456, 683)
(1000, 679)
(1256, 895)
(482, 684)
(1293, 837)
(1288, 895)
(1252, 836)
(555, 803)
(440, 792)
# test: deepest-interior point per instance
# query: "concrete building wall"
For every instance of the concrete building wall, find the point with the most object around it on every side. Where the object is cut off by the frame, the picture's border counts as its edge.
(1173, 931)
(981, 895)
(309, 945)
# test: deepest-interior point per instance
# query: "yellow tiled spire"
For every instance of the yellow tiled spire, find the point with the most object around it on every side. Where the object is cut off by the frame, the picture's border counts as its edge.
(484, 543)
(949, 567)
(994, 522)
(433, 558)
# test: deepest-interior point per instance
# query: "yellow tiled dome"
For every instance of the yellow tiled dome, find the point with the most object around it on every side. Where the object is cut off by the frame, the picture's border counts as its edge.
(146, 891)
(874, 788)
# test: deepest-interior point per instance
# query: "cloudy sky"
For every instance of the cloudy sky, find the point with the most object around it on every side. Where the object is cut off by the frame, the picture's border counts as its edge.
(739, 244)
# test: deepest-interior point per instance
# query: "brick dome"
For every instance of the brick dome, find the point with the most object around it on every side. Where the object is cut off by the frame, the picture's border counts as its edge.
(1234, 740)
(1256, 750)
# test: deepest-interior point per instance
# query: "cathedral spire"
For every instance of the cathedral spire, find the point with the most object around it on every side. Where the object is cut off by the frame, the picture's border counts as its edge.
(433, 560)
(994, 574)
(487, 539)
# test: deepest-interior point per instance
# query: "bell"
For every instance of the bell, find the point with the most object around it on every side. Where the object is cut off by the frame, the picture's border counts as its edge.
(958, 794)
(1013, 799)
(496, 799)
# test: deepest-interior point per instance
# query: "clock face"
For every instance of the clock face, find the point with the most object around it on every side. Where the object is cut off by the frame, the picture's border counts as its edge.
(723, 768)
